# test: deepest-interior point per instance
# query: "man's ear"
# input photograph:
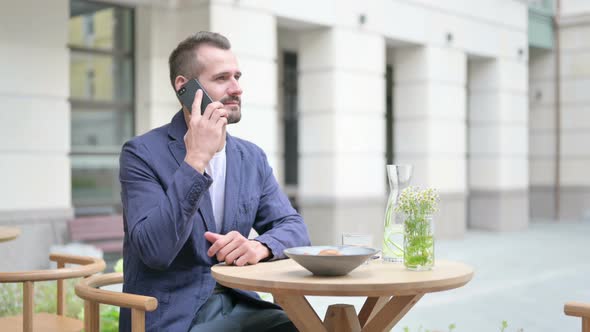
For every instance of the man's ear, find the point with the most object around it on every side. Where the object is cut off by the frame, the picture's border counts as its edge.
(179, 81)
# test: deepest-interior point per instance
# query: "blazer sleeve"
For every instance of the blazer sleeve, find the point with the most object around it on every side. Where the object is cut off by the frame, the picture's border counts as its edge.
(278, 223)
(158, 221)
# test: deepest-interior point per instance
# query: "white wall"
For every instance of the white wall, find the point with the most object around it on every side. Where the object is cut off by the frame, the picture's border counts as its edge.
(575, 7)
(34, 107)
(487, 27)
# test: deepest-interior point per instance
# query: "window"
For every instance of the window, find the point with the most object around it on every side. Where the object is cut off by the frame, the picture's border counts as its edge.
(389, 115)
(102, 100)
(290, 125)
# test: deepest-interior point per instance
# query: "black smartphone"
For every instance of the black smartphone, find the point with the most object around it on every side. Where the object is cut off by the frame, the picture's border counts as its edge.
(186, 94)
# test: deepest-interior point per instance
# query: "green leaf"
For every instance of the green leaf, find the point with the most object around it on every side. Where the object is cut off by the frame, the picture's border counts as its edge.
(119, 265)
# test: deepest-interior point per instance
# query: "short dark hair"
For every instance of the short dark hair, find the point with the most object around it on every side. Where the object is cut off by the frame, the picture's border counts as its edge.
(183, 60)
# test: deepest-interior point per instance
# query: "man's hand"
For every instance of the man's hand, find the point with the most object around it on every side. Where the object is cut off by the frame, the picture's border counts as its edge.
(205, 132)
(235, 249)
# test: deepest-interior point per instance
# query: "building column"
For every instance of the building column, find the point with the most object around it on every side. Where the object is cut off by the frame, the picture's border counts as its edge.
(35, 192)
(159, 27)
(429, 127)
(574, 109)
(342, 138)
(542, 160)
(498, 147)
(256, 50)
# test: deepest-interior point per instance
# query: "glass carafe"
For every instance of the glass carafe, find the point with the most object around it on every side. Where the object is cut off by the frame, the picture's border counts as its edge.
(399, 177)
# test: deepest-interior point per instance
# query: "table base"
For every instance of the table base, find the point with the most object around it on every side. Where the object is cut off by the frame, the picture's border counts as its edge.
(377, 314)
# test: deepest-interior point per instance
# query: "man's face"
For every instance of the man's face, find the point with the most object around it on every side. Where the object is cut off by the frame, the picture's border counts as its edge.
(220, 77)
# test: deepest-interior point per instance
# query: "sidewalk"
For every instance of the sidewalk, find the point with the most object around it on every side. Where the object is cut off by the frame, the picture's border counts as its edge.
(523, 278)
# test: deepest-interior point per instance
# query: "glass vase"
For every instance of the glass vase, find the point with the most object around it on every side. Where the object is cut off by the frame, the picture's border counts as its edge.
(399, 177)
(418, 242)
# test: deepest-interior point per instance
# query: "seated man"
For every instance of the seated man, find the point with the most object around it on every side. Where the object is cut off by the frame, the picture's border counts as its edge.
(191, 194)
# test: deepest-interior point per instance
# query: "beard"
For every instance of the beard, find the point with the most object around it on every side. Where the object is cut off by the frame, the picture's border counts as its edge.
(234, 112)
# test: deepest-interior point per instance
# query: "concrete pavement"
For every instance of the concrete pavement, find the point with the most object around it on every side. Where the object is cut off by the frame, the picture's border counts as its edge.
(522, 277)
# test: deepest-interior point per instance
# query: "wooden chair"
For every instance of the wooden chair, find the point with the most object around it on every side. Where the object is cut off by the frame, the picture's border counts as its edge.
(89, 290)
(579, 309)
(28, 321)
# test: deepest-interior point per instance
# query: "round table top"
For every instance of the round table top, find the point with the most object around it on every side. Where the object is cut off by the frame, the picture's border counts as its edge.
(8, 233)
(377, 278)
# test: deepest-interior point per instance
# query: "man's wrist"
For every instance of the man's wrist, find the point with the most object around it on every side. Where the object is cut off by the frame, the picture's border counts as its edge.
(262, 251)
(198, 164)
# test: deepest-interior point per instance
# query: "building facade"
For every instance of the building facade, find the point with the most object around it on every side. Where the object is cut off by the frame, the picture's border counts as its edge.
(485, 98)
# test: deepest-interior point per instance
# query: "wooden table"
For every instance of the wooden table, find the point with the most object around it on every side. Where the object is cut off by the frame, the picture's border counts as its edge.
(8, 233)
(391, 291)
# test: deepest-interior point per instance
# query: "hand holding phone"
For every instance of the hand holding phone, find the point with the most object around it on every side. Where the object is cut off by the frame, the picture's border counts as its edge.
(187, 92)
(205, 134)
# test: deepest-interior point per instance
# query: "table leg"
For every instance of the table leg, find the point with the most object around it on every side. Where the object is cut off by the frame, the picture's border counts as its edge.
(341, 318)
(300, 312)
(371, 308)
(391, 313)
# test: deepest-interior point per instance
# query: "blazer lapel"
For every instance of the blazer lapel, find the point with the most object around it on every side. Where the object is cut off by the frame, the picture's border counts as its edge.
(176, 131)
(178, 150)
(206, 211)
(233, 184)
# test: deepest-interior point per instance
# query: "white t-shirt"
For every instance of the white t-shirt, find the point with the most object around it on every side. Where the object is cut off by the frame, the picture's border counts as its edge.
(216, 170)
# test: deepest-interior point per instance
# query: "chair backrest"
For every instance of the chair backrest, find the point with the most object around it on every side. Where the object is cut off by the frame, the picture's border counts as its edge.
(86, 266)
(579, 309)
(89, 290)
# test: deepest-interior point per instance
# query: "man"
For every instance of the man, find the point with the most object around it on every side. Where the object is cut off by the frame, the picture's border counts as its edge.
(191, 193)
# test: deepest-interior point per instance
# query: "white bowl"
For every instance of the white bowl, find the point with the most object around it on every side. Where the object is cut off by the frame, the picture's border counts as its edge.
(330, 265)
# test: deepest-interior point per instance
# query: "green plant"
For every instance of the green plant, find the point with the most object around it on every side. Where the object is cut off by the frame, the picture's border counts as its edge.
(418, 206)
(11, 299)
(119, 265)
(109, 318)
(503, 326)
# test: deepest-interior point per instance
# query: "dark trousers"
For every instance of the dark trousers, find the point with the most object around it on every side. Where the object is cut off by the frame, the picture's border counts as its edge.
(224, 312)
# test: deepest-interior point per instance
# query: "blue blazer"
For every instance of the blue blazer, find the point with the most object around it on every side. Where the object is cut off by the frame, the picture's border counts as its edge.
(167, 209)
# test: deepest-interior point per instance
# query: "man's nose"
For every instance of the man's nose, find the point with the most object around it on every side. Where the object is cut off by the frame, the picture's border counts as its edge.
(234, 88)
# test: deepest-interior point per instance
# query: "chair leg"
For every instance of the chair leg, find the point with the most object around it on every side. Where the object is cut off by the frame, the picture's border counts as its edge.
(137, 320)
(28, 297)
(585, 324)
(61, 293)
(91, 317)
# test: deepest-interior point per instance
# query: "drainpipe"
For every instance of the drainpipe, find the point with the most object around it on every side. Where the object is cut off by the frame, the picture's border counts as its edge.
(557, 189)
